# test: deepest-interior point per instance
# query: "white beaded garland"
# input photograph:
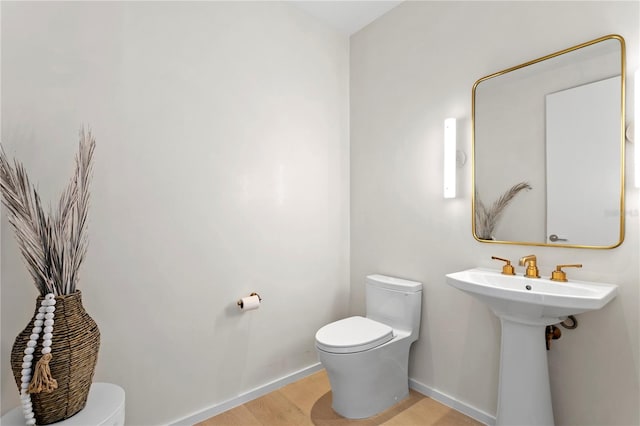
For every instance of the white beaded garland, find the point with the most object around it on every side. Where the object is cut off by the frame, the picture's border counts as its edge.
(45, 316)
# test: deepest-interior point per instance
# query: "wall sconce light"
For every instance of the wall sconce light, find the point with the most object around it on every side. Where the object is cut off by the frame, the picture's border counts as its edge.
(450, 158)
(636, 132)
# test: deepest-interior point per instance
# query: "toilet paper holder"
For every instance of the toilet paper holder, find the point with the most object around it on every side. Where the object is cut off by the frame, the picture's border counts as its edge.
(241, 304)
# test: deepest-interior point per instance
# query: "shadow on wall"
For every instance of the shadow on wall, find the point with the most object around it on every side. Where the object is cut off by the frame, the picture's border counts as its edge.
(233, 330)
(595, 331)
(481, 342)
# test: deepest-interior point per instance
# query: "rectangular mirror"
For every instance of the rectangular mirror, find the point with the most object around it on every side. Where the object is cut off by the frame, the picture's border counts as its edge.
(548, 149)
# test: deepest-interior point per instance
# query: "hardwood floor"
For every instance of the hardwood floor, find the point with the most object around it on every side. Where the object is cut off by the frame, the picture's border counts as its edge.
(308, 402)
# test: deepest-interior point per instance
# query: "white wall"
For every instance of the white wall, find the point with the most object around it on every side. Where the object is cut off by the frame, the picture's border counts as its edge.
(221, 168)
(410, 70)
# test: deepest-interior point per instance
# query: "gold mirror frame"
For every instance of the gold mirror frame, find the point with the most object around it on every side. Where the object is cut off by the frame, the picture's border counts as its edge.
(620, 39)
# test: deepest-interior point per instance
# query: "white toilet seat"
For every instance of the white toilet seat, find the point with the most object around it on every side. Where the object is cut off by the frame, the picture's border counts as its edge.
(353, 334)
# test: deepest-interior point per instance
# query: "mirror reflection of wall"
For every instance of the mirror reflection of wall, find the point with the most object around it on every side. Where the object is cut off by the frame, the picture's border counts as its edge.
(510, 116)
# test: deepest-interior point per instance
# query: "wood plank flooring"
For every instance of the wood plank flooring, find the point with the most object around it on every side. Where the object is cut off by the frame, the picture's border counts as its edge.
(308, 402)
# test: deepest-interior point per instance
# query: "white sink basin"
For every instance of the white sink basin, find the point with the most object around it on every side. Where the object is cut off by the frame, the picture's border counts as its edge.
(533, 298)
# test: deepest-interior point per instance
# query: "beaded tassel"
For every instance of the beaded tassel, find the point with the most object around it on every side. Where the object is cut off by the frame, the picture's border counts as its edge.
(42, 379)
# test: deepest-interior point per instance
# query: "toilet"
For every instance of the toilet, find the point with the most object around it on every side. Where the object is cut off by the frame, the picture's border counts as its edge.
(367, 358)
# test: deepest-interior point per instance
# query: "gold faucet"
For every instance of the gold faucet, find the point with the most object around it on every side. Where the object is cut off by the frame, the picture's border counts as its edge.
(532, 269)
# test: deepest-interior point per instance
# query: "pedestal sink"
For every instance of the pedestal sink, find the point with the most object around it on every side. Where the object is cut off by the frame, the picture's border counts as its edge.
(525, 307)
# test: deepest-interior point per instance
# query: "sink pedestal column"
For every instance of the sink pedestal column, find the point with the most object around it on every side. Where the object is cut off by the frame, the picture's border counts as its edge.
(524, 394)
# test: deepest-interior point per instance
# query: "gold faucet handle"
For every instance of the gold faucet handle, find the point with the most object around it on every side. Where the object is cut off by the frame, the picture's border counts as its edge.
(507, 269)
(560, 275)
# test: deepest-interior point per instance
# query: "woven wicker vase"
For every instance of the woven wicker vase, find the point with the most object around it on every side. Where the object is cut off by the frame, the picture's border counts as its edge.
(76, 340)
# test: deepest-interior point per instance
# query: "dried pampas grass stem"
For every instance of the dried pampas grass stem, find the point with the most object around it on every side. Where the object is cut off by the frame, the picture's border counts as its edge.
(54, 244)
(487, 218)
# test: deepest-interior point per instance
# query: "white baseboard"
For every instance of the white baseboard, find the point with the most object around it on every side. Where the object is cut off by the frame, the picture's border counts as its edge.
(216, 409)
(246, 397)
(450, 401)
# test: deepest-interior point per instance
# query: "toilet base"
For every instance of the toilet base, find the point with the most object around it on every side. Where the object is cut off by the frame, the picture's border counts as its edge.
(364, 384)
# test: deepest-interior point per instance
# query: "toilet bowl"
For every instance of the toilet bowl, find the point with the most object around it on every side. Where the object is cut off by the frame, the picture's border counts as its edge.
(367, 358)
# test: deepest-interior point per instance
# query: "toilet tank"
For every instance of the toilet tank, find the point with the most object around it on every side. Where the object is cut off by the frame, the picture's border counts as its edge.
(395, 302)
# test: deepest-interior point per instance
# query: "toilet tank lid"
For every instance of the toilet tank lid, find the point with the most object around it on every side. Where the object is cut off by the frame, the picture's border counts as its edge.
(391, 283)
